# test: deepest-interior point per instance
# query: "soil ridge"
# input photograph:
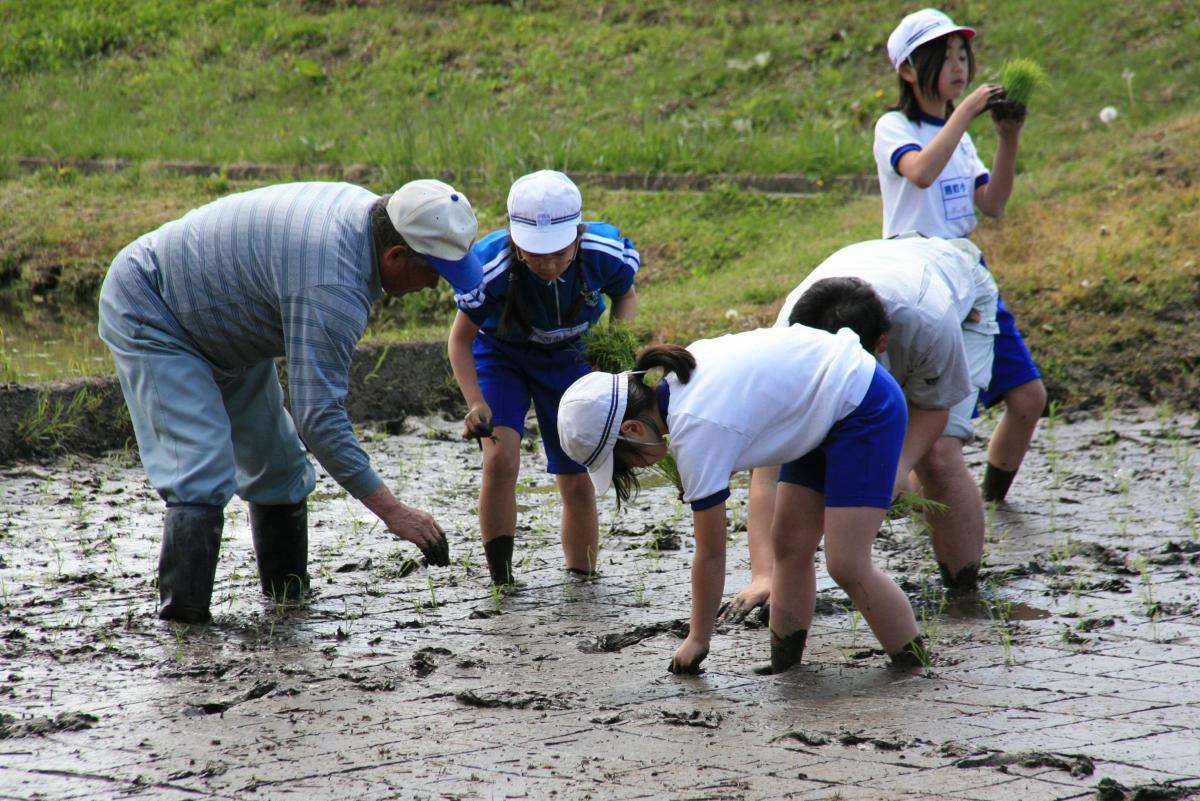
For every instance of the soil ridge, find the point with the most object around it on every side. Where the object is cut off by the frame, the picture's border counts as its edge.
(88, 415)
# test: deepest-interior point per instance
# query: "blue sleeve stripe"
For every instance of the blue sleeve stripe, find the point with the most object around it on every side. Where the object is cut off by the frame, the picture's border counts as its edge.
(614, 248)
(980, 180)
(711, 500)
(496, 266)
(900, 151)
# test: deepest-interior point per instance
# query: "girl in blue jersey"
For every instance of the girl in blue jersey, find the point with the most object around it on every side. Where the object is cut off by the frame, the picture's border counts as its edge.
(516, 339)
(932, 181)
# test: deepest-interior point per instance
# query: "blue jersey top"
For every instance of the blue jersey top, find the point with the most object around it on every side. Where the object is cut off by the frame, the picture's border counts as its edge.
(606, 265)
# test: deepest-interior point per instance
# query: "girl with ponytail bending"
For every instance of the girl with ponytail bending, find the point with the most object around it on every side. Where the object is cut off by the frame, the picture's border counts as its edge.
(814, 402)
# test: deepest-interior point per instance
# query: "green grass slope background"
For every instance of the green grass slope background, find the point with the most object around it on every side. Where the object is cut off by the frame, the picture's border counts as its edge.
(1096, 255)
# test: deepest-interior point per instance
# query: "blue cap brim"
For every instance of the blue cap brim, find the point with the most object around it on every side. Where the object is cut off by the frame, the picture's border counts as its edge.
(463, 274)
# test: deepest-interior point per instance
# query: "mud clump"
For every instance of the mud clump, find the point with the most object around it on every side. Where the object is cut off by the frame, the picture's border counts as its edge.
(11, 728)
(1112, 790)
(531, 700)
(426, 660)
(696, 718)
(613, 643)
(1076, 764)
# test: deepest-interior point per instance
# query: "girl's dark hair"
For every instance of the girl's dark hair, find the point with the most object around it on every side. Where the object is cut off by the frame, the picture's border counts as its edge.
(643, 400)
(514, 317)
(927, 61)
(835, 303)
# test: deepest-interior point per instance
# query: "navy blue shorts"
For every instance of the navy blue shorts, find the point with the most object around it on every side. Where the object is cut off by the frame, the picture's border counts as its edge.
(511, 376)
(1012, 365)
(856, 463)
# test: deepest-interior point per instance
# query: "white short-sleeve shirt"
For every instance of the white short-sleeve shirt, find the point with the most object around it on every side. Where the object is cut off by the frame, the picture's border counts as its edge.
(928, 287)
(761, 397)
(945, 209)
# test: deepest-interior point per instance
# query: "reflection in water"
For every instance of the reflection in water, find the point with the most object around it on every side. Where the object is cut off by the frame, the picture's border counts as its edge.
(49, 342)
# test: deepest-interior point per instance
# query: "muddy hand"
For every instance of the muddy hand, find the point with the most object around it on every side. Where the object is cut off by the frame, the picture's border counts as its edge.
(423, 531)
(978, 101)
(438, 553)
(478, 424)
(687, 658)
(739, 606)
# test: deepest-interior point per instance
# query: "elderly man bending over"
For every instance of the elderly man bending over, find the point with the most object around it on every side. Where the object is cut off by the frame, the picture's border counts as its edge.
(195, 314)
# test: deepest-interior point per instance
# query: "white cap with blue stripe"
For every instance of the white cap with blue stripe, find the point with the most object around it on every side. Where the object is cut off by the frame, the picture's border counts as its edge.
(589, 419)
(544, 211)
(918, 28)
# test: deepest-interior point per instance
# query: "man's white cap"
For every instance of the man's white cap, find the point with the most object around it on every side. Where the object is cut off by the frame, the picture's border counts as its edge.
(544, 211)
(918, 28)
(438, 222)
(589, 420)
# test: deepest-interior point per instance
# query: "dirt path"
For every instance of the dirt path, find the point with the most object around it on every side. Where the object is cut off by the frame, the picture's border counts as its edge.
(1082, 664)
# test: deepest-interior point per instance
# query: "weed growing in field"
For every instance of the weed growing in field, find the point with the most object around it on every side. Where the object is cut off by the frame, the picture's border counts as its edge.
(639, 587)
(1150, 606)
(50, 422)
(433, 601)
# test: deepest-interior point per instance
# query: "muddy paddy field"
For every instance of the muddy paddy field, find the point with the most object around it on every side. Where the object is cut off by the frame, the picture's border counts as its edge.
(1076, 674)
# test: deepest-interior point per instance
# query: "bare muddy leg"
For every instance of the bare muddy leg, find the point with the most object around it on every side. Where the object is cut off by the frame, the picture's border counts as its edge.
(1010, 440)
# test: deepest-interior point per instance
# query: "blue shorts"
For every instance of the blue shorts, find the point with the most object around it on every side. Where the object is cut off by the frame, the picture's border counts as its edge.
(856, 463)
(511, 376)
(1012, 365)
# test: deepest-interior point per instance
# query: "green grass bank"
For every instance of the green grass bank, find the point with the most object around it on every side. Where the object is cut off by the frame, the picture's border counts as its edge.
(1097, 254)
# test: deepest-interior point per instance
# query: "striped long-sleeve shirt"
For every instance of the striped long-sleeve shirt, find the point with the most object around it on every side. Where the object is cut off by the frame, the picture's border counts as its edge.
(286, 270)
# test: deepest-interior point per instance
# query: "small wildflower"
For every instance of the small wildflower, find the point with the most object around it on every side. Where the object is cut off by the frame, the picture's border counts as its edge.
(732, 314)
(1108, 114)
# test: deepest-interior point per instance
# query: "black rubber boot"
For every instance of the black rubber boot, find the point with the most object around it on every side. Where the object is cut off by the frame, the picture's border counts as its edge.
(499, 558)
(281, 547)
(914, 655)
(187, 563)
(787, 650)
(996, 483)
(965, 581)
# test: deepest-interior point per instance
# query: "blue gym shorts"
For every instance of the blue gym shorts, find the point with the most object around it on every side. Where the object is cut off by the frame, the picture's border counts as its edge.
(511, 376)
(856, 463)
(1012, 365)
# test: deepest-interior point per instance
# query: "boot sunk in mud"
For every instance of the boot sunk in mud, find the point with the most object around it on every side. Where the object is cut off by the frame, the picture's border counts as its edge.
(187, 563)
(280, 534)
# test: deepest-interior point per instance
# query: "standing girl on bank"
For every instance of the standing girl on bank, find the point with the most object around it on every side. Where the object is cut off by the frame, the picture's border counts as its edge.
(516, 339)
(932, 181)
(815, 402)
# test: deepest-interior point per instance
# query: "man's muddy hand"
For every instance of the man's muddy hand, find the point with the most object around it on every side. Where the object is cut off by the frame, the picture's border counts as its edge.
(687, 658)
(735, 610)
(423, 531)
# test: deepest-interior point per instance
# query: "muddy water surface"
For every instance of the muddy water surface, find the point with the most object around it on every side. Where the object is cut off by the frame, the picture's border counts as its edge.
(1079, 662)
